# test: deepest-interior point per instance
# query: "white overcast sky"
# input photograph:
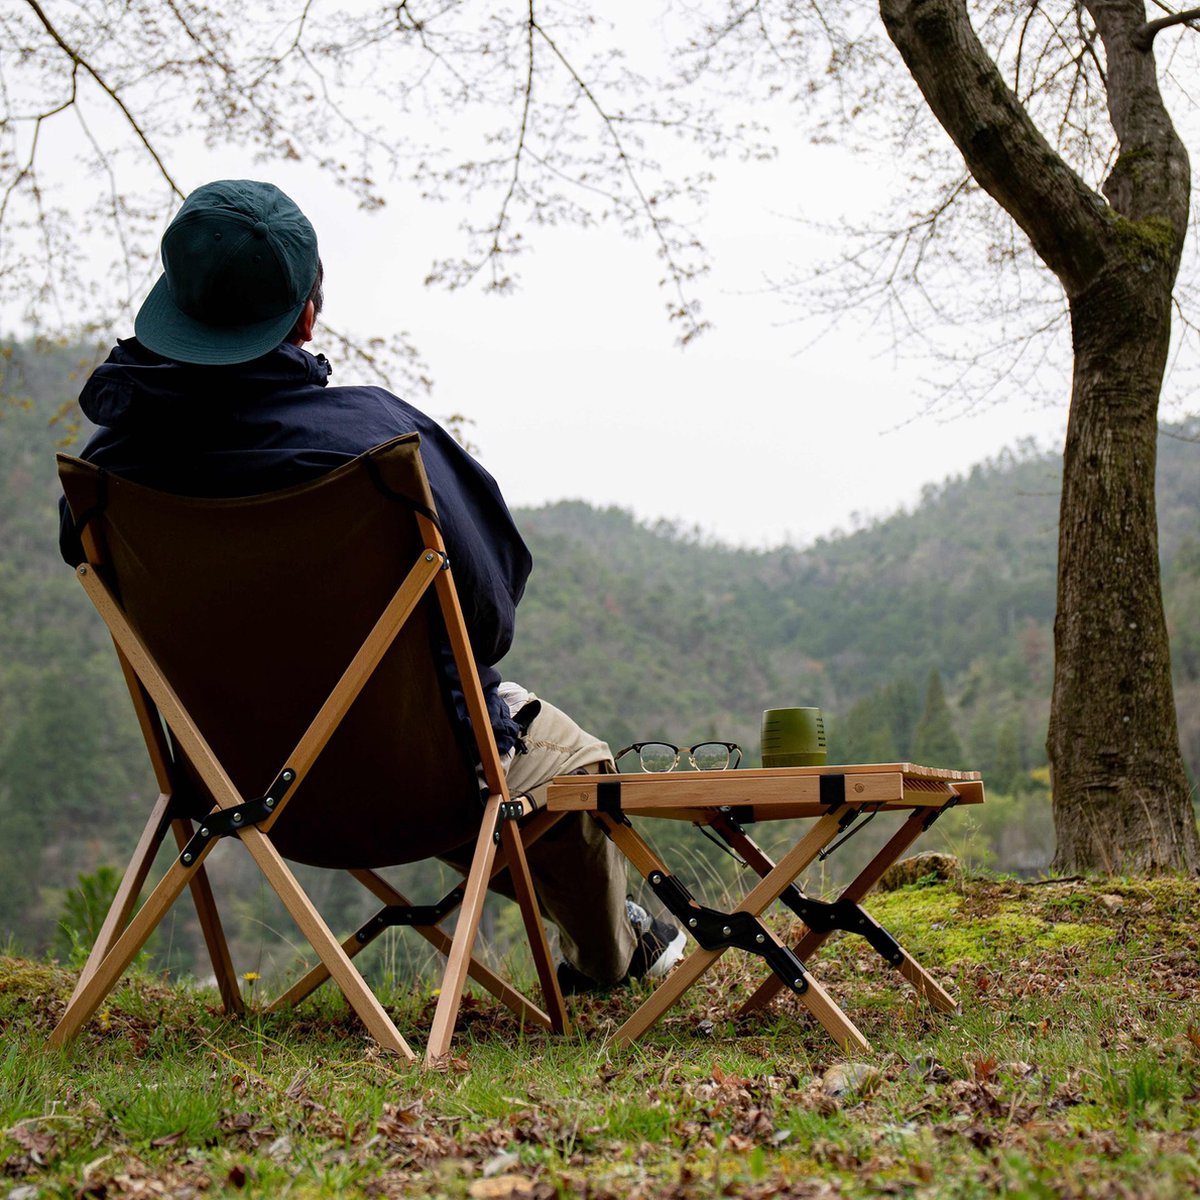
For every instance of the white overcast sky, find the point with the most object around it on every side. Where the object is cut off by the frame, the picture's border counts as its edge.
(578, 391)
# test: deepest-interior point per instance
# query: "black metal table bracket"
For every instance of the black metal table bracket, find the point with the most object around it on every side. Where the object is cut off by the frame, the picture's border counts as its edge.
(716, 930)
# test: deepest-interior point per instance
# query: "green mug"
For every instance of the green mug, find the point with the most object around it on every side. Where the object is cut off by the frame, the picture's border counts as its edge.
(793, 737)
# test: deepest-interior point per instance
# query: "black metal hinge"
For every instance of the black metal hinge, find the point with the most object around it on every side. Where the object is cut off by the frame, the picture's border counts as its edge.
(823, 916)
(410, 914)
(716, 930)
(231, 820)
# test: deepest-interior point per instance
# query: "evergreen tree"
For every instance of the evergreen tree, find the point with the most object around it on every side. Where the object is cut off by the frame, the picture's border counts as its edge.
(935, 743)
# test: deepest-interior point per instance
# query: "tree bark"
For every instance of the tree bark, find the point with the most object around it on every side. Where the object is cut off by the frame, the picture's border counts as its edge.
(1121, 800)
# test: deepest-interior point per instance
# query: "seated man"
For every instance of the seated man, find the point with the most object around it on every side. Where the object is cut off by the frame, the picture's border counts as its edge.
(216, 396)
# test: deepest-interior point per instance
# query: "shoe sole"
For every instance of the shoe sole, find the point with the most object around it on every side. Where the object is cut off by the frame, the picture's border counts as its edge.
(669, 957)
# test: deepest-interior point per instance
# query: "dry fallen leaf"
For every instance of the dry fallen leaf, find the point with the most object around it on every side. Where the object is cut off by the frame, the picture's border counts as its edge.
(984, 1068)
(503, 1187)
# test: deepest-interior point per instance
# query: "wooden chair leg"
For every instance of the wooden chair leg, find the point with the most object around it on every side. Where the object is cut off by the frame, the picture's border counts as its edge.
(814, 998)
(210, 927)
(535, 930)
(811, 941)
(464, 936)
(123, 950)
(295, 900)
(127, 892)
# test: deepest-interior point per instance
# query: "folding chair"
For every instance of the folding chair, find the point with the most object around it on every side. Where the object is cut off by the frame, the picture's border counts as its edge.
(839, 800)
(282, 652)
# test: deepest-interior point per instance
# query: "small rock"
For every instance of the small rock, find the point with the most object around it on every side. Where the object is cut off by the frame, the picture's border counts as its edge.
(930, 865)
(844, 1079)
(27, 1191)
(1111, 902)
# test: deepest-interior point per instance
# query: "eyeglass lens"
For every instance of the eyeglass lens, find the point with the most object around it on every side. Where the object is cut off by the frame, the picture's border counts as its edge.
(710, 756)
(662, 756)
(658, 756)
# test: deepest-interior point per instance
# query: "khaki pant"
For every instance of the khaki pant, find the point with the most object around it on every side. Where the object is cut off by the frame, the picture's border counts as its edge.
(578, 873)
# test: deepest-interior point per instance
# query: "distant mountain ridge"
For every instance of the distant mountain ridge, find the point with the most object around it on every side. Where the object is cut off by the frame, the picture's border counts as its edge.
(650, 629)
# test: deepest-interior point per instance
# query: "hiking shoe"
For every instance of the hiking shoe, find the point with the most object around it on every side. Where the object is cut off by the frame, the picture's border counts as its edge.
(660, 944)
(659, 947)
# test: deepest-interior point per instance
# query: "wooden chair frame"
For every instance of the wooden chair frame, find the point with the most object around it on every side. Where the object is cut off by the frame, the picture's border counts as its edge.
(500, 843)
(835, 797)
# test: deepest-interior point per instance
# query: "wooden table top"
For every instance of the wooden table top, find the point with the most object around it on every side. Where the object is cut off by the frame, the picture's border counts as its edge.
(772, 792)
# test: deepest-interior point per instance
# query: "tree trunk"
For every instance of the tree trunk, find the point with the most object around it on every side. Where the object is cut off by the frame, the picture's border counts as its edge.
(1121, 799)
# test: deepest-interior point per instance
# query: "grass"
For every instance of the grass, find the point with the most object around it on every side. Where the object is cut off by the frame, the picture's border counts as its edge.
(1074, 1070)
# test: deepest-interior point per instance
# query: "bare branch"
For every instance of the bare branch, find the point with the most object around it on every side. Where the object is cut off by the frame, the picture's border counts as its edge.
(79, 61)
(1143, 39)
(686, 310)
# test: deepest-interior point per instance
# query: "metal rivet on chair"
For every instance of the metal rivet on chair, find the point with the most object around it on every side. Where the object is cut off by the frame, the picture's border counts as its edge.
(187, 858)
(759, 938)
(656, 878)
(288, 776)
(725, 931)
(797, 983)
(203, 831)
(270, 801)
(237, 818)
(693, 923)
(429, 557)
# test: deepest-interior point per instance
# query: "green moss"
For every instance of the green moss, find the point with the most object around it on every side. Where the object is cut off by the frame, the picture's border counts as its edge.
(934, 919)
(1154, 238)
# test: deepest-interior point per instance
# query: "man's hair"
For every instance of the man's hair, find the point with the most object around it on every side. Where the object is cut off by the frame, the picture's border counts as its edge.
(317, 296)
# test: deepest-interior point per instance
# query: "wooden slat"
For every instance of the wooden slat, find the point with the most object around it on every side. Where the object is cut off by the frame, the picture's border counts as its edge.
(707, 789)
(535, 931)
(127, 945)
(464, 660)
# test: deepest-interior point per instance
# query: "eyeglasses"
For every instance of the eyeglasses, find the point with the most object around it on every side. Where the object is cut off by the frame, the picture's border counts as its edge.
(704, 756)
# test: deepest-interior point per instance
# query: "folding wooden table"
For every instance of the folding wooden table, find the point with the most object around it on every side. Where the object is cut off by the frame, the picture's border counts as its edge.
(837, 800)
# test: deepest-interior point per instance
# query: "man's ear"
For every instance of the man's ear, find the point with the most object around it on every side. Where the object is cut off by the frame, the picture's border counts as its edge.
(304, 325)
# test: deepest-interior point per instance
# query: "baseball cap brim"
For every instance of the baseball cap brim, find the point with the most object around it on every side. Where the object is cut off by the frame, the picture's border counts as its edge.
(163, 327)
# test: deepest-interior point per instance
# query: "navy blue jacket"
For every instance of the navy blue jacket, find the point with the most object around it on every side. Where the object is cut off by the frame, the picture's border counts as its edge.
(267, 424)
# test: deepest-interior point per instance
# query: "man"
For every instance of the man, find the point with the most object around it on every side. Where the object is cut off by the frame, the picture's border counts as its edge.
(216, 396)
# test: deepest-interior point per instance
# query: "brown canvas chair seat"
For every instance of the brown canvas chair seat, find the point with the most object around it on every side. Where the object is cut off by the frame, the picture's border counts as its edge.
(285, 646)
(825, 806)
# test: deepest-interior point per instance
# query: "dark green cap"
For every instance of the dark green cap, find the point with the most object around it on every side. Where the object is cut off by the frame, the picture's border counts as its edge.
(239, 262)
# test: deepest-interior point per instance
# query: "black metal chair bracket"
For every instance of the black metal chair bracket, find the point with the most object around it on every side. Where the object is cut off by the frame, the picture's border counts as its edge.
(231, 820)
(716, 930)
(410, 914)
(509, 810)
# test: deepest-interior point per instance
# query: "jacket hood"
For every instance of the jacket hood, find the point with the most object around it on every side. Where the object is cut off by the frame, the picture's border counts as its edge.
(134, 383)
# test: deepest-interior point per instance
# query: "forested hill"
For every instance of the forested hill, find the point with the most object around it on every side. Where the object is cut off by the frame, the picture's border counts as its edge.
(925, 635)
(652, 630)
